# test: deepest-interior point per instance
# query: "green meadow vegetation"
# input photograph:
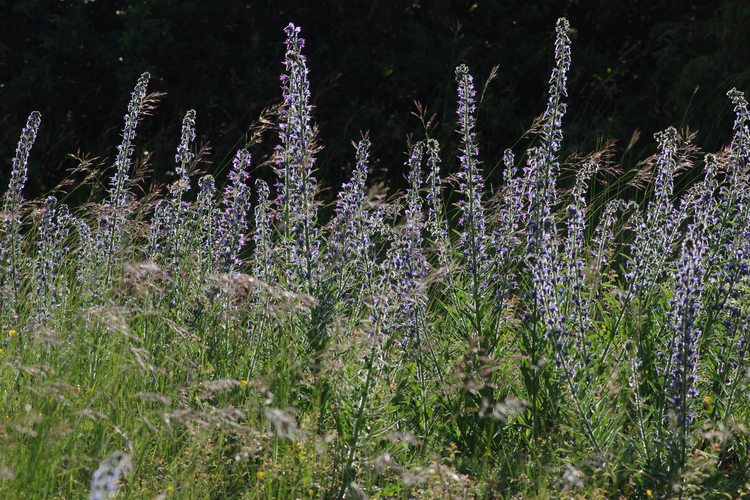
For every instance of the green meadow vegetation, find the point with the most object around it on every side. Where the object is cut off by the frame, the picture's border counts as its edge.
(552, 336)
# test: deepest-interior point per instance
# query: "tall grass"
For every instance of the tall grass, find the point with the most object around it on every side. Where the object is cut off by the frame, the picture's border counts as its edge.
(534, 340)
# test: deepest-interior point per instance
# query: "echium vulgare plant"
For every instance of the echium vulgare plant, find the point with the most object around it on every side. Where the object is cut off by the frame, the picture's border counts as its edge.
(295, 158)
(540, 192)
(506, 238)
(231, 234)
(206, 221)
(263, 256)
(183, 157)
(681, 356)
(168, 236)
(543, 166)
(408, 264)
(540, 189)
(736, 193)
(102, 244)
(577, 300)
(556, 276)
(106, 479)
(530, 338)
(397, 301)
(728, 230)
(350, 245)
(728, 260)
(655, 235)
(437, 225)
(11, 252)
(473, 238)
(119, 194)
(707, 207)
(603, 240)
(158, 235)
(733, 326)
(50, 289)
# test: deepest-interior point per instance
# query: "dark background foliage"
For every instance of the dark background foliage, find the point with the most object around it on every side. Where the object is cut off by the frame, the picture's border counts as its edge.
(637, 65)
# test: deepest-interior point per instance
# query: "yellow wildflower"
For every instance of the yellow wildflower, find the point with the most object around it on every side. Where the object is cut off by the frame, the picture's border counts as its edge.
(260, 474)
(12, 332)
(243, 382)
(2, 351)
(649, 493)
(170, 488)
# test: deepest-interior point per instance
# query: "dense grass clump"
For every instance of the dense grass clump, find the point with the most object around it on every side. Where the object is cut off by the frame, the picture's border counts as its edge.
(543, 338)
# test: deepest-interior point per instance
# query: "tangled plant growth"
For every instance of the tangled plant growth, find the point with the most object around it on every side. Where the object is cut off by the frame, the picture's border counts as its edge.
(520, 342)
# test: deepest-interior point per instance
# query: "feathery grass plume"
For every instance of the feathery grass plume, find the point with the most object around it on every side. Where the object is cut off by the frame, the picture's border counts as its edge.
(350, 243)
(295, 158)
(232, 230)
(11, 254)
(50, 288)
(105, 481)
(119, 195)
(263, 256)
(437, 225)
